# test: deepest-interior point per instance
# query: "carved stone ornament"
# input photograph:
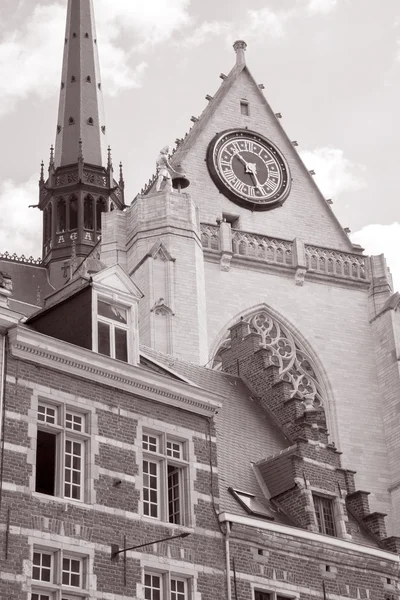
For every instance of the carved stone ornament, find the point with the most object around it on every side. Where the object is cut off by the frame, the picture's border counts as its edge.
(285, 352)
(5, 282)
(300, 275)
(225, 261)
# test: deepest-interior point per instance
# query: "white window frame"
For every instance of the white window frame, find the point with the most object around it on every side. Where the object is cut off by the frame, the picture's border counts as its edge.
(55, 589)
(64, 434)
(165, 584)
(123, 302)
(163, 459)
(331, 500)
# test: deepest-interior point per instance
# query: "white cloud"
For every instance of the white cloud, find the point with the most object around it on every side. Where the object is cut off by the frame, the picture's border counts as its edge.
(376, 239)
(30, 56)
(334, 173)
(255, 24)
(20, 226)
(321, 6)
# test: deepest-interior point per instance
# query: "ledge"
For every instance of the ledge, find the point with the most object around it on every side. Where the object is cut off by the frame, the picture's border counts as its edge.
(46, 351)
(339, 543)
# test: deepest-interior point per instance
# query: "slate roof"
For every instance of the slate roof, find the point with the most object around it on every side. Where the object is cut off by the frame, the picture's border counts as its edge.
(29, 281)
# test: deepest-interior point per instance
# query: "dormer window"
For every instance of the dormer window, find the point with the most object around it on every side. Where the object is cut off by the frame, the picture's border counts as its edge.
(112, 330)
(324, 511)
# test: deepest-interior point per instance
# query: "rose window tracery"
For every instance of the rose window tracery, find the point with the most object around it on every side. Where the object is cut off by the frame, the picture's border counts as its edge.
(286, 353)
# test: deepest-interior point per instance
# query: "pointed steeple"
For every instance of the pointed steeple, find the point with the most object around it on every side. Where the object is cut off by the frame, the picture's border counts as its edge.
(81, 112)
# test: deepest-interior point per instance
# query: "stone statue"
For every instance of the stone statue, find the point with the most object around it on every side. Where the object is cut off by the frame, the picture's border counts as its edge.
(164, 169)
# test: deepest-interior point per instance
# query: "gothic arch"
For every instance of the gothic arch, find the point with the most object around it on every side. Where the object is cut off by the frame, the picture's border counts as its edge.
(299, 364)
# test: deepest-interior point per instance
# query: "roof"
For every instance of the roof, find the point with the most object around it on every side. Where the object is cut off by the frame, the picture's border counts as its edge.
(245, 436)
(30, 285)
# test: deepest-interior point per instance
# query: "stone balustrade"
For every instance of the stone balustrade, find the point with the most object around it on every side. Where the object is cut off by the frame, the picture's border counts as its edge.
(337, 264)
(221, 240)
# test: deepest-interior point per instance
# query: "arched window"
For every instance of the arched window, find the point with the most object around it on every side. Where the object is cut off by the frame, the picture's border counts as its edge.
(61, 215)
(45, 224)
(73, 213)
(49, 222)
(88, 213)
(100, 208)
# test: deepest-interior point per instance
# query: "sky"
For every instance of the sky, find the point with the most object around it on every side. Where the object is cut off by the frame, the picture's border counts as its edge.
(331, 67)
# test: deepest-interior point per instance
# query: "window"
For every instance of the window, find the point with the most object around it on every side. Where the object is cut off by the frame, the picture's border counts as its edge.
(165, 471)
(100, 208)
(258, 595)
(112, 330)
(244, 108)
(251, 505)
(73, 213)
(165, 586)
(59, 573)
(61, 449)
(61, 215)
(325, 515)
(88, 213)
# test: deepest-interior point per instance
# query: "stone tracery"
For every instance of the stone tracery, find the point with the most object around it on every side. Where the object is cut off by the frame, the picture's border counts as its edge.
(287, 353)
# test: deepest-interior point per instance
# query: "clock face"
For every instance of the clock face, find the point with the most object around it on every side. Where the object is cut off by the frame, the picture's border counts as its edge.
(248, 169)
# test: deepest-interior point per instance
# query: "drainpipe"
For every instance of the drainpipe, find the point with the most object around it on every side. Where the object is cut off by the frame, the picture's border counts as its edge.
(228, 560)
(2, 386)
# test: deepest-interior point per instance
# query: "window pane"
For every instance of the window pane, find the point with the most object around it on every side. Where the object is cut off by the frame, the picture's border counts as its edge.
(121, 344)
(41, 570)
(71, 573)
(45, 463)
(75, 422)
(73, 213)
(152, 587)
(324, 514)
(174, 449)
(178, 589)
(103, 331)
(73, 470)
(111, 312)
(150, 488)
(46, 414)
(150, 442)
(174, 476)
(262, 596)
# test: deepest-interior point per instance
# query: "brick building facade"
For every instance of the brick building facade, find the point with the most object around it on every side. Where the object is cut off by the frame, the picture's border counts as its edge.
(128, 469)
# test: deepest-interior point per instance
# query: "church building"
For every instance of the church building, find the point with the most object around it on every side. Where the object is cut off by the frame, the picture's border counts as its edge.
(200, 387)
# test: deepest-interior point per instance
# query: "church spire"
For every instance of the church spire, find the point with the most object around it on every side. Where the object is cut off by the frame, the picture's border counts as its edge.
(81, 113)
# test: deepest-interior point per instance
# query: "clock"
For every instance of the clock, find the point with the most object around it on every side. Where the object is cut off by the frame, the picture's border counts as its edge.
(248, 169)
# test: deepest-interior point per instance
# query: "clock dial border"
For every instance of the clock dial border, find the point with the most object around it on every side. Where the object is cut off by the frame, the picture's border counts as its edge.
(213, 151)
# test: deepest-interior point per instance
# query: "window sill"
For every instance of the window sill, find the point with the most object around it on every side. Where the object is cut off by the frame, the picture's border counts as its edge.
(172, 526)
(48, 498)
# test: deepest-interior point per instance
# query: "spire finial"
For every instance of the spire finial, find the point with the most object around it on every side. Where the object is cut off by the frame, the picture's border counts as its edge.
(80, 154)
(73, 262)
(121, 175)
(240, 48)
(109, 159)
(51, 162)
(41, 172)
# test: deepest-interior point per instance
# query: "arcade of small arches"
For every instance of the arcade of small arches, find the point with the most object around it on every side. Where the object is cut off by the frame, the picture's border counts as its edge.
(286, 352)
(69, 212)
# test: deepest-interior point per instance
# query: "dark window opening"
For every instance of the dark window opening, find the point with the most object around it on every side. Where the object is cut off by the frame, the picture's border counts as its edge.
(100, 208)
(99, 86)
(104, 338)
(325, 515)
(45, 224)
(86, 35)
(103, 129)
(73, 213)
(62, 85)
(244, 108)
(262, 595)
(74, 35)
(174, 494)
(90, 121)
(61, 215)
(88, 79)
(49, 222)
(71, 120)
(45, 463)
(88, 213)
(121, 344)
(73, 79)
